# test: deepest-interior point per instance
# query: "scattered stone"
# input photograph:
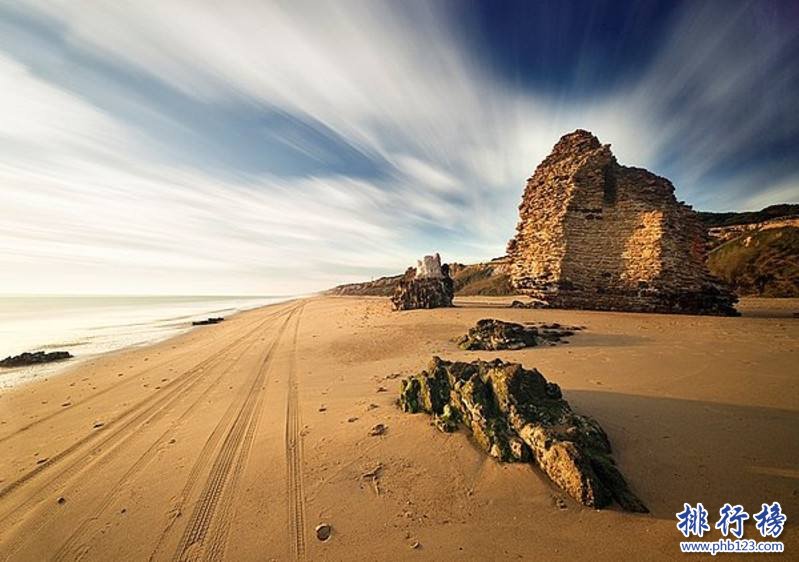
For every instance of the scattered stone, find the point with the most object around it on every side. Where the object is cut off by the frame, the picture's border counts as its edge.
(323, 408)
(216, 320)
(61, 501)
(378, 429)
(352, 419)
(98, 424)
(373, 476)
(382, 389)
(415, 545)
(597, 235)
(491, 335)
(372, 407)
(42, 461)
(66, 404)
(323, 531)
(34, 358)
(515, 415)
(393, 376)
(428, 285)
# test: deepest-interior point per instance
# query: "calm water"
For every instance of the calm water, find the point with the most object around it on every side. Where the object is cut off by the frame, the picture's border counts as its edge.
(86, 326)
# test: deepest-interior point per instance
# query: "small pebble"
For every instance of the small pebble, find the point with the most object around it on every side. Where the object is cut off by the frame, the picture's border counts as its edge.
(378, 429)
(323, 531)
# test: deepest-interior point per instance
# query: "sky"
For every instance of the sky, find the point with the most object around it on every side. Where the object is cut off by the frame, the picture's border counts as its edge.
(243, 147)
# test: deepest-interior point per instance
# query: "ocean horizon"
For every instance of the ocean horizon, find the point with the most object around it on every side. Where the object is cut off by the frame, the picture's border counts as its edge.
(88, 325)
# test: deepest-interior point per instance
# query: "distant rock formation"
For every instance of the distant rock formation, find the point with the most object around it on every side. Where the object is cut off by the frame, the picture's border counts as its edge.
(426, 286)
(594, 234)
(34, 358)
(491, 335)
(515, 415)
(380, 287)
(489, 278)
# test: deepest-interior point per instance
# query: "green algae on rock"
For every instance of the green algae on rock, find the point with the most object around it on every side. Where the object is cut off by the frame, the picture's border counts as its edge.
(515, 415)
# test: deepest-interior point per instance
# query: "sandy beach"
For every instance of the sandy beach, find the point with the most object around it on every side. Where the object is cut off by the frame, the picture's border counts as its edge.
(234, 441)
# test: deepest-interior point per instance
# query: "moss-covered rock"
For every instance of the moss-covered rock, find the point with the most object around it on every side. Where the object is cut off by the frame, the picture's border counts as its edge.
(516, 415)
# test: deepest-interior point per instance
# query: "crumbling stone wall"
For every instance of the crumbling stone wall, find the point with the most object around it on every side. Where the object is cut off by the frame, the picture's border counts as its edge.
(428, 285)
(595, 234)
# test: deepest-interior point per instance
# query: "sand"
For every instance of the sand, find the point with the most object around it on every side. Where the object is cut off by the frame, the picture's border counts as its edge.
(234, 441)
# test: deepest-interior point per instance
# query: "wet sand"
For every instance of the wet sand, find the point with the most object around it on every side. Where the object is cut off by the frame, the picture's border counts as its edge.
(234, 441)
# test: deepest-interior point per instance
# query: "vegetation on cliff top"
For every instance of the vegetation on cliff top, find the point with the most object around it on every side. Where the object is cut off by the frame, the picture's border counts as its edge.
(712, 220)
(763, 262)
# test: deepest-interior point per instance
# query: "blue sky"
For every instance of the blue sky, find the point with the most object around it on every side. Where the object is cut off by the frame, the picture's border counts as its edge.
(282, 147)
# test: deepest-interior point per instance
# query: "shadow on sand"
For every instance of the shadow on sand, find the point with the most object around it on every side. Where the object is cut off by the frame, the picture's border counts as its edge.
(674, 451)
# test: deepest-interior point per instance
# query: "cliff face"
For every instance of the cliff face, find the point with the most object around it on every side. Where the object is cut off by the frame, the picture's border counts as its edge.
(760, 259)
(598, 235)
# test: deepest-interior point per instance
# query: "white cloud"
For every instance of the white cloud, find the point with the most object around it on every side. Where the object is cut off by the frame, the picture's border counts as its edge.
(83, 194)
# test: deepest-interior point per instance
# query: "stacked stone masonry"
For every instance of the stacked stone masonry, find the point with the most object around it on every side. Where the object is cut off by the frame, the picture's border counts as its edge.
(597, 235)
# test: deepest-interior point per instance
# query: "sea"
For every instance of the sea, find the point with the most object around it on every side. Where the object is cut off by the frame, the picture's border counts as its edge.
(87, 326)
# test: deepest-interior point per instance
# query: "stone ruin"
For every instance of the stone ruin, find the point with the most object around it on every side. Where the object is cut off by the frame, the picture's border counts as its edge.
(597, 235)
(428, 285)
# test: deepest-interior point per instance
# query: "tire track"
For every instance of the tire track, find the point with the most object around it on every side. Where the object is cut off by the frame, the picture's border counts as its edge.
(178, 382)
(233, 450)
(153, 406)
(70, 549)
(218, 542)
(125, 382)
(129, 380)
(294, 456)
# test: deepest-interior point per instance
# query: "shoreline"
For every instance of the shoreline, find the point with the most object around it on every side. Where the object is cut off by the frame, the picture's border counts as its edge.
(750, 307)
(263, 423)
(153, 332)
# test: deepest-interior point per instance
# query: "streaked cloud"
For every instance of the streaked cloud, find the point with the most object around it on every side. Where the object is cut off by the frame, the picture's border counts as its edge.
(252, 147)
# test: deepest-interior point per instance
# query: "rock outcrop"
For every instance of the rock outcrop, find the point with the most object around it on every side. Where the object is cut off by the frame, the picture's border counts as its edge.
(207, 321)
(429, 285)
(34, 358)
(491, 335)
(594, 234)
(515, 415)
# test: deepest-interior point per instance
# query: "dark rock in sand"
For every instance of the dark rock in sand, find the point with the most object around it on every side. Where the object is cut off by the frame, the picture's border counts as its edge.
(323, 531)
(428, 285)
(489, 334)
(530, 304)
(35, 358)
(207, 322)
(515, 415)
